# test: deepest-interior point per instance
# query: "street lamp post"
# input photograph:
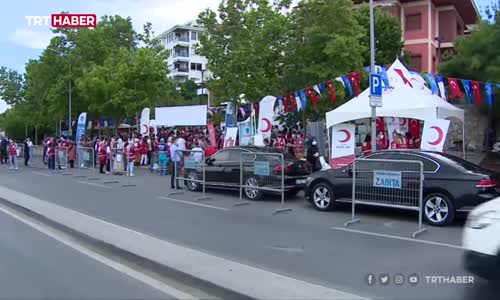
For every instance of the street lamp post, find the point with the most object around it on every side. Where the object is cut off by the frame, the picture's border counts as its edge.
(439, 40)
(372, 70)
(202, 85)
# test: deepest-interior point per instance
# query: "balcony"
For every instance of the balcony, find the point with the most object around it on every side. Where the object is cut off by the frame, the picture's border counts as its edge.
(180, 71)
(181, 54)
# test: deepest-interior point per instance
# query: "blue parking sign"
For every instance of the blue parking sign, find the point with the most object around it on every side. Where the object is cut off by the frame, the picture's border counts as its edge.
(375, 85)
(387, 179)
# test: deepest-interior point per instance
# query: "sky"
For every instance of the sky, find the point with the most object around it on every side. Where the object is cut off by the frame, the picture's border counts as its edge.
(20, 42)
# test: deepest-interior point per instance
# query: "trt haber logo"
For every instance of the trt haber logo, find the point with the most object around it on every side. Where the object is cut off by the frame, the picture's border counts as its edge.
(64, 20)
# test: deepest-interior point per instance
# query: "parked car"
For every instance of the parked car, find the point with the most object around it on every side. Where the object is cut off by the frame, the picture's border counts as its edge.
(222, 170)
(481, 240)
(451, 184)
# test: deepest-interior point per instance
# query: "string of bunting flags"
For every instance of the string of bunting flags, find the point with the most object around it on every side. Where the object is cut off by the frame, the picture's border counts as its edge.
(298, 100)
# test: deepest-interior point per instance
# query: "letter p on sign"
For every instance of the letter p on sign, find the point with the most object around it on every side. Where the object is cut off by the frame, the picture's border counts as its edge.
(375, 85)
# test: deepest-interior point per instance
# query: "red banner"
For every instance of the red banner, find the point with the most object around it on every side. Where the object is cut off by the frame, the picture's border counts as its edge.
(211, 132)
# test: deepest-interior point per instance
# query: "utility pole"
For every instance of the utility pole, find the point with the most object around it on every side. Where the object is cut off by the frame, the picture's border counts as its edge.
(70, 128)
(373, 71)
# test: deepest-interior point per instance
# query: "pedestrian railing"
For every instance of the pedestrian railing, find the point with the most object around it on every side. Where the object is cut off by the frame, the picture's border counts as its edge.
(85, 157)
(388, 183)
(61, 157)
(190, 169)
(262, 172)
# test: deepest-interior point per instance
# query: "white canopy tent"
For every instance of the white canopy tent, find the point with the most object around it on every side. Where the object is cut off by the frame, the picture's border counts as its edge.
(408, 97)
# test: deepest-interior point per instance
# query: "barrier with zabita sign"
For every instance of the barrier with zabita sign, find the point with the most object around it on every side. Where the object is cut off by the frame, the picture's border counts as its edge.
(389, 183)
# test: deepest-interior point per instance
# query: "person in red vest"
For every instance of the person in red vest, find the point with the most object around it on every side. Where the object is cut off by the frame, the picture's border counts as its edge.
(290, 142)
(51, 153)
(399, 141)
(144, 152)
(131, 160)
(101, 156)
(366, 147)
(13, 155)
(382, 141)
(279, 143)
(299, 146)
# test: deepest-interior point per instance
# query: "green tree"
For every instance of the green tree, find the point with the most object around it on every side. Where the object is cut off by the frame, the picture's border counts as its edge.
(244, 43)
(478, 58)
(388, 36)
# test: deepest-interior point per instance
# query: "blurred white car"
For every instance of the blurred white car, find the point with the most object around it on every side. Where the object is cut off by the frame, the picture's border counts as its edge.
(481, 240)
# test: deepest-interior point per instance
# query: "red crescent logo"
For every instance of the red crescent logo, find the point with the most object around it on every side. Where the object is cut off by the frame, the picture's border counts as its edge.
(404, 121)
(440, 136)
(268, 123)
(347, 135)
(145, 130)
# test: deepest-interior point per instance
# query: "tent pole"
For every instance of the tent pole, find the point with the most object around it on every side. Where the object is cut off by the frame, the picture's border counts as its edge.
(463, 138)
(327, 155)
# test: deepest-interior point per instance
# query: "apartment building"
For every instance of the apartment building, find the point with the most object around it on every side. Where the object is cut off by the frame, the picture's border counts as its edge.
(430, 27)
(183, 62)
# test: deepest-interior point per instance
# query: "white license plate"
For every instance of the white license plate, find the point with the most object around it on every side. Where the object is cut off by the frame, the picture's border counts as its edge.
(300, 181)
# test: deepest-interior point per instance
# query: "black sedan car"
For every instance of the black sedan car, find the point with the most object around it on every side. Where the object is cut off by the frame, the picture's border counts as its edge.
(222, 170)
(450, 184)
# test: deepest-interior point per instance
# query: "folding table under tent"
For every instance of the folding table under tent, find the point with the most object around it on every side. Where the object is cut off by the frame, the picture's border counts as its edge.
(408, 97)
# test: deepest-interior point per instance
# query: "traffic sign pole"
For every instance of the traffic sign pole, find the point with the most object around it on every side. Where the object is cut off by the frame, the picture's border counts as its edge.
(372, 71)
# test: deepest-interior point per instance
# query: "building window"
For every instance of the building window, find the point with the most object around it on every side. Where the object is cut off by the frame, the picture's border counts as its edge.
(194, 35)
(196, 67)
(413, 22)
(416, 63)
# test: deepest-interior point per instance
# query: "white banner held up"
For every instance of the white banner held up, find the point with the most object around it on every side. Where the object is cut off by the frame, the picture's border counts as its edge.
(193, 115)
(230, 136)
(434, 134)
(144, 130)
(266, 115)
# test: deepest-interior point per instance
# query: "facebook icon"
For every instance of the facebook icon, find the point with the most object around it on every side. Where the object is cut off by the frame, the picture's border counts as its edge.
(370, 279)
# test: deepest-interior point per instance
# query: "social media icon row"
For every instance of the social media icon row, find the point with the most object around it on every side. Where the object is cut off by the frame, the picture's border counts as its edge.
(385, 279)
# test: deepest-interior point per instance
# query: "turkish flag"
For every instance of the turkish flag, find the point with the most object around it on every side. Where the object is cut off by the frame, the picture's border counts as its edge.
(292, 104)
(285, 103)
(333, 95)
(380, 124)
(476, 91)
(414, 128)
(313, 97)
(454, 88)
(355, 78)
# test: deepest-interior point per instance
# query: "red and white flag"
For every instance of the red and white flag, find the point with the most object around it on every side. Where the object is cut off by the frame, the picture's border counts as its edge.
(434, 134)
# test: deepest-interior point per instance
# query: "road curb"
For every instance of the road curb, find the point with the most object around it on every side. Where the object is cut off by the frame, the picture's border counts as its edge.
(216, 275)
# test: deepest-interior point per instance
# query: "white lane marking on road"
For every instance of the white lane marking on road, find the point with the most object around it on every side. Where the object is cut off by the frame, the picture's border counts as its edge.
(162, 287)
(41, 174)
(95, 184)
(402, 238)
(192, 203)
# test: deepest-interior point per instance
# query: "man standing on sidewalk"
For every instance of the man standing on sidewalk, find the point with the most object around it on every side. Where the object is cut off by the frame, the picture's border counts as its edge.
(176, 160)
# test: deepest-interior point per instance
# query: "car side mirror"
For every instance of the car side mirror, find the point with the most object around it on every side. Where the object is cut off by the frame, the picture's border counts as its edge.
(209, 161)
(348, 170)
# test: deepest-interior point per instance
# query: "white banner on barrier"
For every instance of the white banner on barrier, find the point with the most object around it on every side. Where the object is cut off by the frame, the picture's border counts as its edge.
(193, 115)
(144, 130)
(434, 134)
(343, 142)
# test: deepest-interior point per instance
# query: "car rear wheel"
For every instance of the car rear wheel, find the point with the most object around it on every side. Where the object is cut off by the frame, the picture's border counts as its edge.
(438, 209)
(252, 191)
(193, 185)
(322, 197)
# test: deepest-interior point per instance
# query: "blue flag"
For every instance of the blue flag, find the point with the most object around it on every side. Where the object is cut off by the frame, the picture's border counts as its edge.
(347, 84)
(303, 99)
(280, 104)
(442, 90)
(321, 87)
(489, 93)
(432, 82)
(468, 94)
(498, 85)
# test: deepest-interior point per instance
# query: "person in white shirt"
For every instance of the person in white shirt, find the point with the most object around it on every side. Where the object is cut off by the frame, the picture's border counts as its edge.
(197, 153)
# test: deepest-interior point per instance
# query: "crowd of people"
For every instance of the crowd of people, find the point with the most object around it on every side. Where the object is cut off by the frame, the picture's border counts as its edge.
(400, 140)
(10, 152)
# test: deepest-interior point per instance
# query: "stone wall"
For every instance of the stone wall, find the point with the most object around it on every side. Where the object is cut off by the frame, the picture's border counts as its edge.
(475, 123)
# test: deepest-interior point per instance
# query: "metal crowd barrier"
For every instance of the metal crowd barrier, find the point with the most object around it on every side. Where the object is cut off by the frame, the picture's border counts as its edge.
(191, 170)
(389, 183)
(20, 150)
(61, 157)
(262, 172)
(85, 157)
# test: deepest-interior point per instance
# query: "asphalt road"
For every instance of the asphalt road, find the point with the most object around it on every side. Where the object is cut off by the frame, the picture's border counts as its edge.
(35, 266)
(304, 244)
